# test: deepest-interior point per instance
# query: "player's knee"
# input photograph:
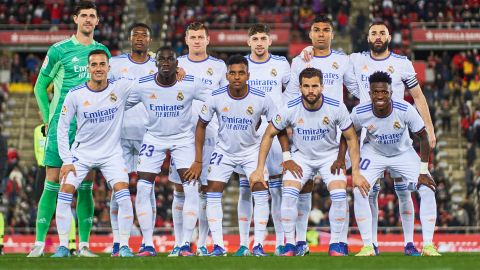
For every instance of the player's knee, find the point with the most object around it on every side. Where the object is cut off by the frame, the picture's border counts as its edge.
(179, 188)
(258, 187)
(147, 176)
(215, 186)
(67, 188)
(119, 186)
(308, 187)
(337, 184)
(52, 174)
(292, 183)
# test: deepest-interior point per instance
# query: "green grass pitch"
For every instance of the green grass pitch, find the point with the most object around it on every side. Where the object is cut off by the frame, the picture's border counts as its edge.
(390, 261)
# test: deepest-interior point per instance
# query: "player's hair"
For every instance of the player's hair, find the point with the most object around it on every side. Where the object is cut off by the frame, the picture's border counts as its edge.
(97, 51)
(323, 19)
(84, 5)
(237, 59)
(258, 28)
(380, 76)
(310, 73)
(377, 23)
(195, 26)
(139, 24)
(166, 48)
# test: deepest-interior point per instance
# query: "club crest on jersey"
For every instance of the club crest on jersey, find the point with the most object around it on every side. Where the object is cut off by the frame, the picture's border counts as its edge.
(273, 72)
(64, 110)
(335, 65)
(371, 128)
(300, 121)
(204, 109)
(250, 110)
(326, 121)
(210, 71)
(390, 69)
(86, 103)
(152, 96)
(278, 119)
(396, 125)
(113, 97)
(180, 96)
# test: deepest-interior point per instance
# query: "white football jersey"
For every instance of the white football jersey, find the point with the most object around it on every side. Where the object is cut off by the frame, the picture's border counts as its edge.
(212, 71)
(99, 117)
(314, 131)
(388, 135)
(398, 67)
(271, 76)
(335, 69)
(237, 119)
(169, 109)
(135, 119)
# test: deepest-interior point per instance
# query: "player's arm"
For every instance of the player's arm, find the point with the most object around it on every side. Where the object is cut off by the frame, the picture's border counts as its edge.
(134, 96)
(47, 72)
(424, 178)
(293, 88)
(193, 173)
(339, 164)
(354, 151)
(422, 107)
(265, 145)
(350, 80)
(66, 115)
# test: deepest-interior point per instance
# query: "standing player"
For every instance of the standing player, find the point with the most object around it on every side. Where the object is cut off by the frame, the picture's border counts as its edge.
(212, 73)
(238, 107)
(98, 105)
(270, 74)
(335, 67)
(168, 103)
(135, 64)
(401, 71)
(315, 119)
(66, 66)
(388, 146)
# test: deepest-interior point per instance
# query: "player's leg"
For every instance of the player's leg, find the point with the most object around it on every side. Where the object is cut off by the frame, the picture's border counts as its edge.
(150, 161)
(428, 217)
(183, 158)
(373, 201)
(304, 207)
(220, 171)
(244, 212)
(405, 205)
(275, 170)
(261, 211)
(63, 215)
(177, 208)
(116, 174)
(336, 185)
(85, 209)
(371, 167)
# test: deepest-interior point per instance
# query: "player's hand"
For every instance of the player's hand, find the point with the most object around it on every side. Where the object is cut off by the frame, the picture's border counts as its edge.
(257, 177)
(181, 73)
(432, 140)
(293, 168)
(307, 54)
(65, 170)
(193, 173)
(337, 166)
(426, 180)
(361, 183)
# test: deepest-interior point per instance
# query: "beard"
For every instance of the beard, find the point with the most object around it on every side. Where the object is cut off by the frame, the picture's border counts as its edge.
(311, 102)
(380, 49)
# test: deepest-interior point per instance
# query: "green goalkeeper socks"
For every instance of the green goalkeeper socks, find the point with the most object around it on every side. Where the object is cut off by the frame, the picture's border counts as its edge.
(46, 209)
(85, 209)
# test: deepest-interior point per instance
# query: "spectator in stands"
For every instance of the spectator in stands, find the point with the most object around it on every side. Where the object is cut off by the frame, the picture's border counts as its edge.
(446, 116)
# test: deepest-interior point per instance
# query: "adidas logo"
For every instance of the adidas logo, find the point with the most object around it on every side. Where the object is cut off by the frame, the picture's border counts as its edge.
(42, 220)
(75, 59)
(86, 103)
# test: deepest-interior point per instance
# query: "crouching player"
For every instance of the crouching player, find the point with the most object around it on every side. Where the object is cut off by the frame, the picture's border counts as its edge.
(98, 105)
(388, 146)
(314, 119)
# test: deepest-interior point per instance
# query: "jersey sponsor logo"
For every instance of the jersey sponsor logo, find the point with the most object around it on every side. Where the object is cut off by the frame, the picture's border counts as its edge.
(152, 96)
(236, 123)
(335, 65)
(390, 69)
(249, 110)
(396, 125)
(100, 116)
(75, 59)
(86, 103)
(388, 138)
(326, 121)
(113, 97)
(312, 134)
(273, 72)
(210, 71)
(45, 62)
(180, 96)
(204, 109)
(277, 119)
(64, 110)
(165, 110)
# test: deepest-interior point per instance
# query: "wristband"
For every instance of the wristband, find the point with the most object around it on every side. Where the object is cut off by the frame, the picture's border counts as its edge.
(423, 167)
(286, 156)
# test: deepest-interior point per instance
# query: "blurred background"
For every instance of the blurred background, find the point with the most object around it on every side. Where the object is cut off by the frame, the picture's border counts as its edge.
(442, 38)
